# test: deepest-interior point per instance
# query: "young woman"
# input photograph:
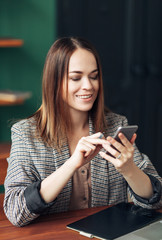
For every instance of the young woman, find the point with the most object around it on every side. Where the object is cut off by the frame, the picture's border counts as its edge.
(59, 157)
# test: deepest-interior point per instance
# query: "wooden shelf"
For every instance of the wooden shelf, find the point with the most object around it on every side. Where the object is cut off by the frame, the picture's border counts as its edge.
(10, 103)
(5, 150)
(9, 42)
(8, 97)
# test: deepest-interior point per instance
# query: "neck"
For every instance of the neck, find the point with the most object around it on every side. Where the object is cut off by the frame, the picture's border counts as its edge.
(79, 121)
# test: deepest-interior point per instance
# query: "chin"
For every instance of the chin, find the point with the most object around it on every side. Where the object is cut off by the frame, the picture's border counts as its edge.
(82, 108)
(85, 109)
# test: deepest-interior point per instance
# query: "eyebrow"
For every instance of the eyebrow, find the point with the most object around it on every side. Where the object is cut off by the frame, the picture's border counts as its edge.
(96, 70)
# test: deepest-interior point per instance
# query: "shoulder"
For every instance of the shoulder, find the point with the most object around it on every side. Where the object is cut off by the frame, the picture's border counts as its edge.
(27, 126)
(114, 121)
(114, 118)
(25, 131)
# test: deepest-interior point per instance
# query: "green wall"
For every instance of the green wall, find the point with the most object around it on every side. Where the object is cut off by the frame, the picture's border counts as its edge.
(34, 21)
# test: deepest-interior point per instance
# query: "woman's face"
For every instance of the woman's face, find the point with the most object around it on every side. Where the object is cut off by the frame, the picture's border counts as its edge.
(83, 82)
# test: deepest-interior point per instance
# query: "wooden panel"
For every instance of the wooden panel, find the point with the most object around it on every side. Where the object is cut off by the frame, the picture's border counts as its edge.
(8, 103)
(11, 42)
(4, 153)
(48, 227)
(2, 215)
(3, 170)
(4, 150)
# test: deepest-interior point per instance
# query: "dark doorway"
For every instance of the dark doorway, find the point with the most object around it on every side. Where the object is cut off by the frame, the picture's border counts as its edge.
(128, 37)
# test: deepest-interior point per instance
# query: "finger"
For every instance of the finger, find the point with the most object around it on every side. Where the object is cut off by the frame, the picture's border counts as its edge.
(133, 138)
(94, 153)
(126, 142)
(98, 148)
(84, 148)
(111, 150)
(84, 141)
(89, 144)
(116, 144)
(97, 135)
(107, 157)
(95, 141)
(95, 148)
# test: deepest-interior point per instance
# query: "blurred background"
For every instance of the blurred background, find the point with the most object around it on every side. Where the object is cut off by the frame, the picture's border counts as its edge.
(128, 37)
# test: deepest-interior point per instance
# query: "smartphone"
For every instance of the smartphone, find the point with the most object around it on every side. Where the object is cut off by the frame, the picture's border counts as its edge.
(128, 132)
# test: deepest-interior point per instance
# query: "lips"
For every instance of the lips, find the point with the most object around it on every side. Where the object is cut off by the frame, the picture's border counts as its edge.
(84, 96)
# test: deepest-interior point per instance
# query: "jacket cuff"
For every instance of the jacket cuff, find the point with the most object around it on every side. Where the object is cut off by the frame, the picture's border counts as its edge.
(34, 201)
(157, 190)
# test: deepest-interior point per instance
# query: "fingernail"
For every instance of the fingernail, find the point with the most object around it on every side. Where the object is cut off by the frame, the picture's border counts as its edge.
(101, 135)
(109, 139)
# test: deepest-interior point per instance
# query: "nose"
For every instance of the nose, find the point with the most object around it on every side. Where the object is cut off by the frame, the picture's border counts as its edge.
(86, 83)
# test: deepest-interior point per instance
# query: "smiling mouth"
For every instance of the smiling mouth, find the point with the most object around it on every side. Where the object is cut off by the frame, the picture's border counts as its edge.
(84, 96)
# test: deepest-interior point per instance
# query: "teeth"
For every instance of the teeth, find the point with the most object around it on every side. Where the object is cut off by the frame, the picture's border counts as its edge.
(83, 96)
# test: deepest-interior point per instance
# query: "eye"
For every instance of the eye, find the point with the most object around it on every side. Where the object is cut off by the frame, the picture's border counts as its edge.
(75, 78)
(95, 77)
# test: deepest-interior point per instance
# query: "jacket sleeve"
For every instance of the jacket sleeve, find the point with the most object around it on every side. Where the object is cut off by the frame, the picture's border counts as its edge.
(22, 183)
(144, 163)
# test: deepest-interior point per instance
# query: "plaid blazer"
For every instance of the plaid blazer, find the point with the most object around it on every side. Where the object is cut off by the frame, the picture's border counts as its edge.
(32, 160)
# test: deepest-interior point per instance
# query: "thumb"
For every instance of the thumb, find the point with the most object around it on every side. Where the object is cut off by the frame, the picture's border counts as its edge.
(133, 138)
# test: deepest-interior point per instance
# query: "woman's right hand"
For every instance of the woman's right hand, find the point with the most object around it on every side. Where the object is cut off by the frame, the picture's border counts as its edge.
(87, 148)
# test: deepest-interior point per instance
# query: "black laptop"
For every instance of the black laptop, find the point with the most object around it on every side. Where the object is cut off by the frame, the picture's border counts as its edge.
(118, 222)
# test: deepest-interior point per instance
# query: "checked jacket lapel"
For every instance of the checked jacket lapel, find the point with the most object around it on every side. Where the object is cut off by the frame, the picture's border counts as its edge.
(99, 177)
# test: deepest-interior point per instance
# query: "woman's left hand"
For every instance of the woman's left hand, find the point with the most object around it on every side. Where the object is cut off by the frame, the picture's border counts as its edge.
(121, 155)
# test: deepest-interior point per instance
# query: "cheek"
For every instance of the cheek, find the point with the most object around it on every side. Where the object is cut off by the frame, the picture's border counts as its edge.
(69, 93)
(73, 88)
(64, 92)
(96, 86)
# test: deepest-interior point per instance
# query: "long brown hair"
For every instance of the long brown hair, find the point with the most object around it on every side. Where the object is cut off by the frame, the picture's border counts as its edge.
(53, 118)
